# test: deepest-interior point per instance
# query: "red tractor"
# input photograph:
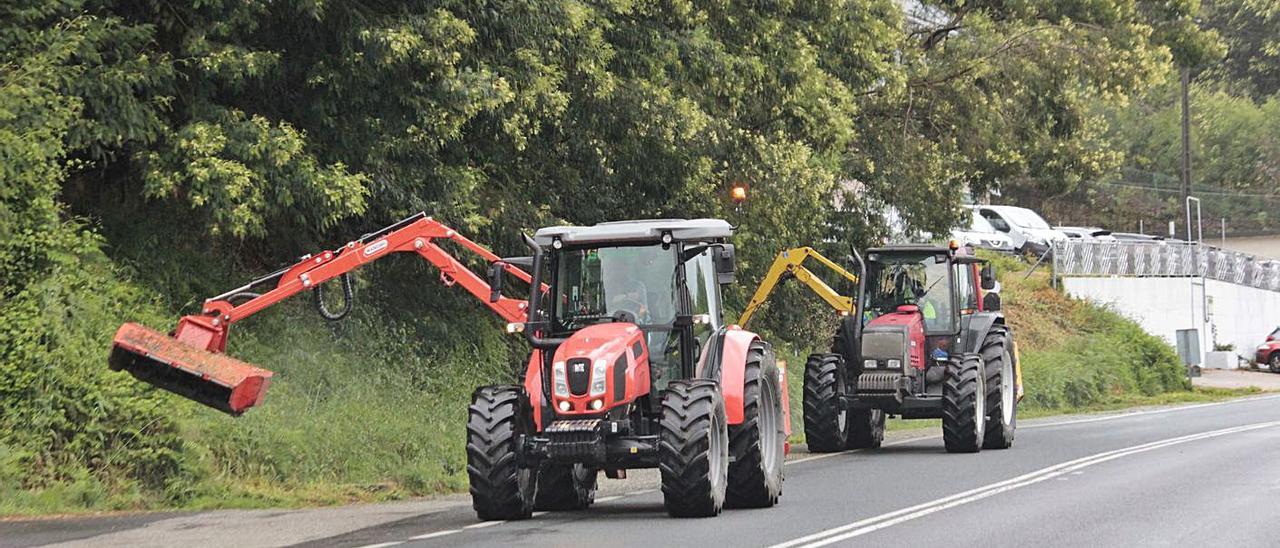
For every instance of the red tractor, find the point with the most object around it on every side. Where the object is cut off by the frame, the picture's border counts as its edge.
(922, 337)
(632, 364)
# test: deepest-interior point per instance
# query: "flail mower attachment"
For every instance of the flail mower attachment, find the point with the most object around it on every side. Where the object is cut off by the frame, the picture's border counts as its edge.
(214, 379)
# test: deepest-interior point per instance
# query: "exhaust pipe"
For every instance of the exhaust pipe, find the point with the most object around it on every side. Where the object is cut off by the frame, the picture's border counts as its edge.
(212, 378)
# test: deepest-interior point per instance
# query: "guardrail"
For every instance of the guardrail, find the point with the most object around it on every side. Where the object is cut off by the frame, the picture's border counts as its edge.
(1163, 259)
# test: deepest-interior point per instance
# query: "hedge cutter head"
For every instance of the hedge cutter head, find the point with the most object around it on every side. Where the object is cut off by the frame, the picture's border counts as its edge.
(212, 378)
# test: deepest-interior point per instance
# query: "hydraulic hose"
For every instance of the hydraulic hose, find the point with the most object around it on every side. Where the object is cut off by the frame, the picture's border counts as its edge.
(348, 299)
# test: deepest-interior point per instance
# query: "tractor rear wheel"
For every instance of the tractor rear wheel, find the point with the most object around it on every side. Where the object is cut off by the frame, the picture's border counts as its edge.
(1002, 398)
(565, 487)
(693, 451)
(501, 489)
(964, 405)
(756, 445)
(825, 422)
(866, 428)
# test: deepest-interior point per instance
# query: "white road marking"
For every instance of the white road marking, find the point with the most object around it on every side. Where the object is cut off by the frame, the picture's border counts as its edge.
(1101, 418)
(382, 544)
(613, 498)
(436, 534)
(484, 524)
(1142, 413)
(868, 525)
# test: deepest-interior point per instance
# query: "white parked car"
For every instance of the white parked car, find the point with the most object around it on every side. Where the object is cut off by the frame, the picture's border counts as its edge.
(980, 233)
(1086, 233)
(1026, 228)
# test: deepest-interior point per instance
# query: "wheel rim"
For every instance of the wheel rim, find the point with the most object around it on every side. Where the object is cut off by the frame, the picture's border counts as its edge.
(841, 419)
(719, 452)
(769, 427)
(1275, 362)
(980, 404)
(1006, 389)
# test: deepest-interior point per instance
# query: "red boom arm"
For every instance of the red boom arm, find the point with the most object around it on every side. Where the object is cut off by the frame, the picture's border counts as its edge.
(192, 363)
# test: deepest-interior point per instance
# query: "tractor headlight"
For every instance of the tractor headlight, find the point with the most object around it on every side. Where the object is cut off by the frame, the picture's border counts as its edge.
(869, 364)
(564, 405)
(598, 372)
(895, 364)
(558, 377)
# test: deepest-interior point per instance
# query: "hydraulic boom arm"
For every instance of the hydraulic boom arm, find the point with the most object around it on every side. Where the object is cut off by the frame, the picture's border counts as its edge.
(191, 363)
(790, 264)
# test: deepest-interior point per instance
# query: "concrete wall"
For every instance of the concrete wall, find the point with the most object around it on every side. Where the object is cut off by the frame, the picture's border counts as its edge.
(1237, 315)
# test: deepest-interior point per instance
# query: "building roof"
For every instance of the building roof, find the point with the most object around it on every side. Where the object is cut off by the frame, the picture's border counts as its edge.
(638, 231)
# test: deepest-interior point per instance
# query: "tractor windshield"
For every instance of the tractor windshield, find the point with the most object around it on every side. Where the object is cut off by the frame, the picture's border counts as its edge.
(918, 279)
(609, 283)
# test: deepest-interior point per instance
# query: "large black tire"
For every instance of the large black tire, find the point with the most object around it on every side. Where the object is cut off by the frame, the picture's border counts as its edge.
(963, 405)
(1002, 398)
(825, 423)
(565, 487)
(1274, 363)
(866, 428)
(756, 446)
(500, 488)
(693, 452)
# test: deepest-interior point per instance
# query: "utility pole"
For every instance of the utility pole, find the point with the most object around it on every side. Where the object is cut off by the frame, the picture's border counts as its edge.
(1186, 145)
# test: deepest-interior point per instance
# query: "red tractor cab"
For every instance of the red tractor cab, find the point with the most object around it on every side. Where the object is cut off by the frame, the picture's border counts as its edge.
(633, 366)
(927, 341)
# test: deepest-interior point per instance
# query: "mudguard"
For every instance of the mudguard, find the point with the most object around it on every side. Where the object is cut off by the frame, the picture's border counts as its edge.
(976, 326)
(726, 361)
(533, 385)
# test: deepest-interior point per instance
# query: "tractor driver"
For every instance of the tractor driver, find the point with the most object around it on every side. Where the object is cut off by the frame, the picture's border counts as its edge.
(911, 290)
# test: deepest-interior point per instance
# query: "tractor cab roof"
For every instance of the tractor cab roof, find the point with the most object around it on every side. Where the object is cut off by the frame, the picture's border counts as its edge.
(961, 255)
(909, 248)
(636, 232)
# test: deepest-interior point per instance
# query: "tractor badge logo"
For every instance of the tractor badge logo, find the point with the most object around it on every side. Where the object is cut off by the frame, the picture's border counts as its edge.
(579, 367)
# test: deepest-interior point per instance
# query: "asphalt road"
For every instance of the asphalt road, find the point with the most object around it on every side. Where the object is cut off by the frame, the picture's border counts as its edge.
(1201, 475)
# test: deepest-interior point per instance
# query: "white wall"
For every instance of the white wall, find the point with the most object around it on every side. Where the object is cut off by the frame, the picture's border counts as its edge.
(1240, 315)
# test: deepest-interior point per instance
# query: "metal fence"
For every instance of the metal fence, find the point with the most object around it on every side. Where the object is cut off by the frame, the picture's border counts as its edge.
(1163, 259)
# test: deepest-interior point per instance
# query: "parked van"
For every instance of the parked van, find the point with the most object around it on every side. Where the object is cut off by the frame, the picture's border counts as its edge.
(980, 233)
(1029, 232)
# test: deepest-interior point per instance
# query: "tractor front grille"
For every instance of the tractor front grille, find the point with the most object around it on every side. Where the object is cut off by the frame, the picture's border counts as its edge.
(878, 383)
(579, 372)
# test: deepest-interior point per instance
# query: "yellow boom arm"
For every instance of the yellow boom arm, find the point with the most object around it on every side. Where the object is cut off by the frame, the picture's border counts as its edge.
(791, 263)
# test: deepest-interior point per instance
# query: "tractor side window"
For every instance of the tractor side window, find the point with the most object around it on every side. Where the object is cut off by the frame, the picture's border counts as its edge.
(965, 288)
(700, 280)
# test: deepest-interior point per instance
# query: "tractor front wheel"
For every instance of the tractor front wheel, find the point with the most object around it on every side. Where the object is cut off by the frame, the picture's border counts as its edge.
(1002, 399)
(1274, 364)
(501, 489)
(866, 428)
(825, 428)
(693, 452)
(964, 402)
(756, 445)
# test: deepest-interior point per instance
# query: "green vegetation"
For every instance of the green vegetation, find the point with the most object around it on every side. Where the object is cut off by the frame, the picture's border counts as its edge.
(156, 153)
(1076, 354)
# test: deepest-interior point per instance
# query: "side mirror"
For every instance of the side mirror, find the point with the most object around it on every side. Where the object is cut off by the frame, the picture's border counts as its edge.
(726, 264)
(495, 280)
(991, 302)
(987, 277)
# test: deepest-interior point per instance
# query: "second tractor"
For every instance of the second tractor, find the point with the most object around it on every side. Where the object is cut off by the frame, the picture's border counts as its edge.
(923, 337)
